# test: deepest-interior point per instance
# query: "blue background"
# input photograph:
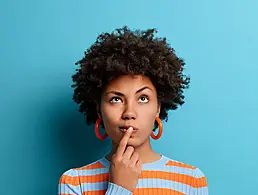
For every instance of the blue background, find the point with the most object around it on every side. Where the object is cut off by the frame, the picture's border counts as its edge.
(42, 134)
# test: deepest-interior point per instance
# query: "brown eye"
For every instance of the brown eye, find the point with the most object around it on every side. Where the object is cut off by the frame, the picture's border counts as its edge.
(115, 99)
(144, 99)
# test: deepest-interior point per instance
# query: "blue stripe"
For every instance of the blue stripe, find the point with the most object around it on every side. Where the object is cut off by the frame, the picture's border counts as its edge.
(68, 189)
(182, 170)
(161, 183)
(94, 186)
(146, 183)
(169, 169)
(92, 172)
(199, 191)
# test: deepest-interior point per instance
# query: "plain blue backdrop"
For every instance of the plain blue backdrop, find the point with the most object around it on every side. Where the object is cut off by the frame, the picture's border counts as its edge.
(43, 134)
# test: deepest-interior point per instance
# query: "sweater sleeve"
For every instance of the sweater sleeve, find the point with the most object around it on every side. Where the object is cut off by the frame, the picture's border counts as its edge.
(199, 183)
(114, 189)
(69, 183)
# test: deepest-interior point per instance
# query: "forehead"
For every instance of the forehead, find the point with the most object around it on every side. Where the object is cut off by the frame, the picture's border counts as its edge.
(129, 81)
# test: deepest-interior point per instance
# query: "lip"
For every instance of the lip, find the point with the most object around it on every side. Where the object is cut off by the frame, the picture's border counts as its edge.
(125, 127)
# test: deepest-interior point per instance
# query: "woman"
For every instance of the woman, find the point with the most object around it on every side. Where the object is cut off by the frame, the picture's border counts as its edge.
(126, 83)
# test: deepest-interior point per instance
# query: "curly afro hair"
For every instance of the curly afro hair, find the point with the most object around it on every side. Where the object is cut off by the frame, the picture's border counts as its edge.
(127, 52)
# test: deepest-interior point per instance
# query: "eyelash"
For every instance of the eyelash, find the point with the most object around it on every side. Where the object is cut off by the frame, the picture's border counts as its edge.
(145, 96)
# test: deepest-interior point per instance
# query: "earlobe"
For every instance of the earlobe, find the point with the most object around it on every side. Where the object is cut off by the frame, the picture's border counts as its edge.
(99, 114)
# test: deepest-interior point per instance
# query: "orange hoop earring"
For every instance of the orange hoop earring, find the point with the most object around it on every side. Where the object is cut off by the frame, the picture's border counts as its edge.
(97, 130)
(160, 130)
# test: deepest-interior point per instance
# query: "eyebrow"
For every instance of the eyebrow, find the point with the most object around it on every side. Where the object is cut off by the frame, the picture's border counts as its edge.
(120, 94)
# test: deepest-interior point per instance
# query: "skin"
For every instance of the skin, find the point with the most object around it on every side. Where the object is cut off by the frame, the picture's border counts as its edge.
(125, 162)
(129, 100)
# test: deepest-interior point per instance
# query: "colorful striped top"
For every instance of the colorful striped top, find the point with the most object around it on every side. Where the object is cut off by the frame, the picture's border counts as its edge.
(165, 176)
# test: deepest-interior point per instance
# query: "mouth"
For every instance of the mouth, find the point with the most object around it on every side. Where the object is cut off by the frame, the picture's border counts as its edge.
(125, 128)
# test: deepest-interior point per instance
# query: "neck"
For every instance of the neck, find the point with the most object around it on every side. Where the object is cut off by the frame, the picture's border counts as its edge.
(145, 151)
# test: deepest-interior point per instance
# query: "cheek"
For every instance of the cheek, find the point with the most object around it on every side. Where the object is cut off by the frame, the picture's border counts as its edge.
(111, 115)
(147, 122)
(110, 120)
(148, 114)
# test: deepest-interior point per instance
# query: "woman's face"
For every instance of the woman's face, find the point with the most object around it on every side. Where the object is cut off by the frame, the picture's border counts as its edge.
(129, 101)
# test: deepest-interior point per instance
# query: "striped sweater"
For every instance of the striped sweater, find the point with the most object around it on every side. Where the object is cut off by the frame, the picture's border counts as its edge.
(165, 176)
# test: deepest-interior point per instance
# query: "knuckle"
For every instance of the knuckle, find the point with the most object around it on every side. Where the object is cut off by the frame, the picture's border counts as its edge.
(115, 159)
(137, 155)
(125, 162)
(135, 170)
(130, 148)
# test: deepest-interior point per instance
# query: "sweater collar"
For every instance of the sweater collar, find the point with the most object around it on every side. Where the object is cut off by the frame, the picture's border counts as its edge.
(156, 165)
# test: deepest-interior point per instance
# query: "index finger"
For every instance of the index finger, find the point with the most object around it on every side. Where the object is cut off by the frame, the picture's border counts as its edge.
(123, 143)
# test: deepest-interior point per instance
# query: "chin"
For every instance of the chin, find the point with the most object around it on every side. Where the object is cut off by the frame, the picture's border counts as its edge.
(134, 142)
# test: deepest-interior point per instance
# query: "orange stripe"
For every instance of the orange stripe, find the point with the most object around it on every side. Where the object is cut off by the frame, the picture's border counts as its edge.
(181, 178)
(96, 165)
(76, 180)
(140, 191)
(179, 164)
(65, 179)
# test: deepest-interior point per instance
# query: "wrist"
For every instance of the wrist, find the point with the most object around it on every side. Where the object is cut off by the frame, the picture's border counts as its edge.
(115, 189)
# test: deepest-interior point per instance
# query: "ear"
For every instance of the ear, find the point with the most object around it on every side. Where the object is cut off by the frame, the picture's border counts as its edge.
(98, 110)
(158, 111)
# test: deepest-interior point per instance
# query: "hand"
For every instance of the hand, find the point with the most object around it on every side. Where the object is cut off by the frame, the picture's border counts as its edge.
(126, 167)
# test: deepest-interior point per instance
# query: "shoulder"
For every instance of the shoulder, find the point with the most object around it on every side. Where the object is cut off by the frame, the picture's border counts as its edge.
(71, 180)
(187, 173)
(175, 163)
(69, 183)
(72, 176)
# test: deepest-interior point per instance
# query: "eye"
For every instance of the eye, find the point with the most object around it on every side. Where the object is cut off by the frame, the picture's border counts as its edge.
(114, 98)
(144, 99)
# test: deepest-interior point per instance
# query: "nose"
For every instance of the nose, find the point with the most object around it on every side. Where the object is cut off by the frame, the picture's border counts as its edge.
(129, 112)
